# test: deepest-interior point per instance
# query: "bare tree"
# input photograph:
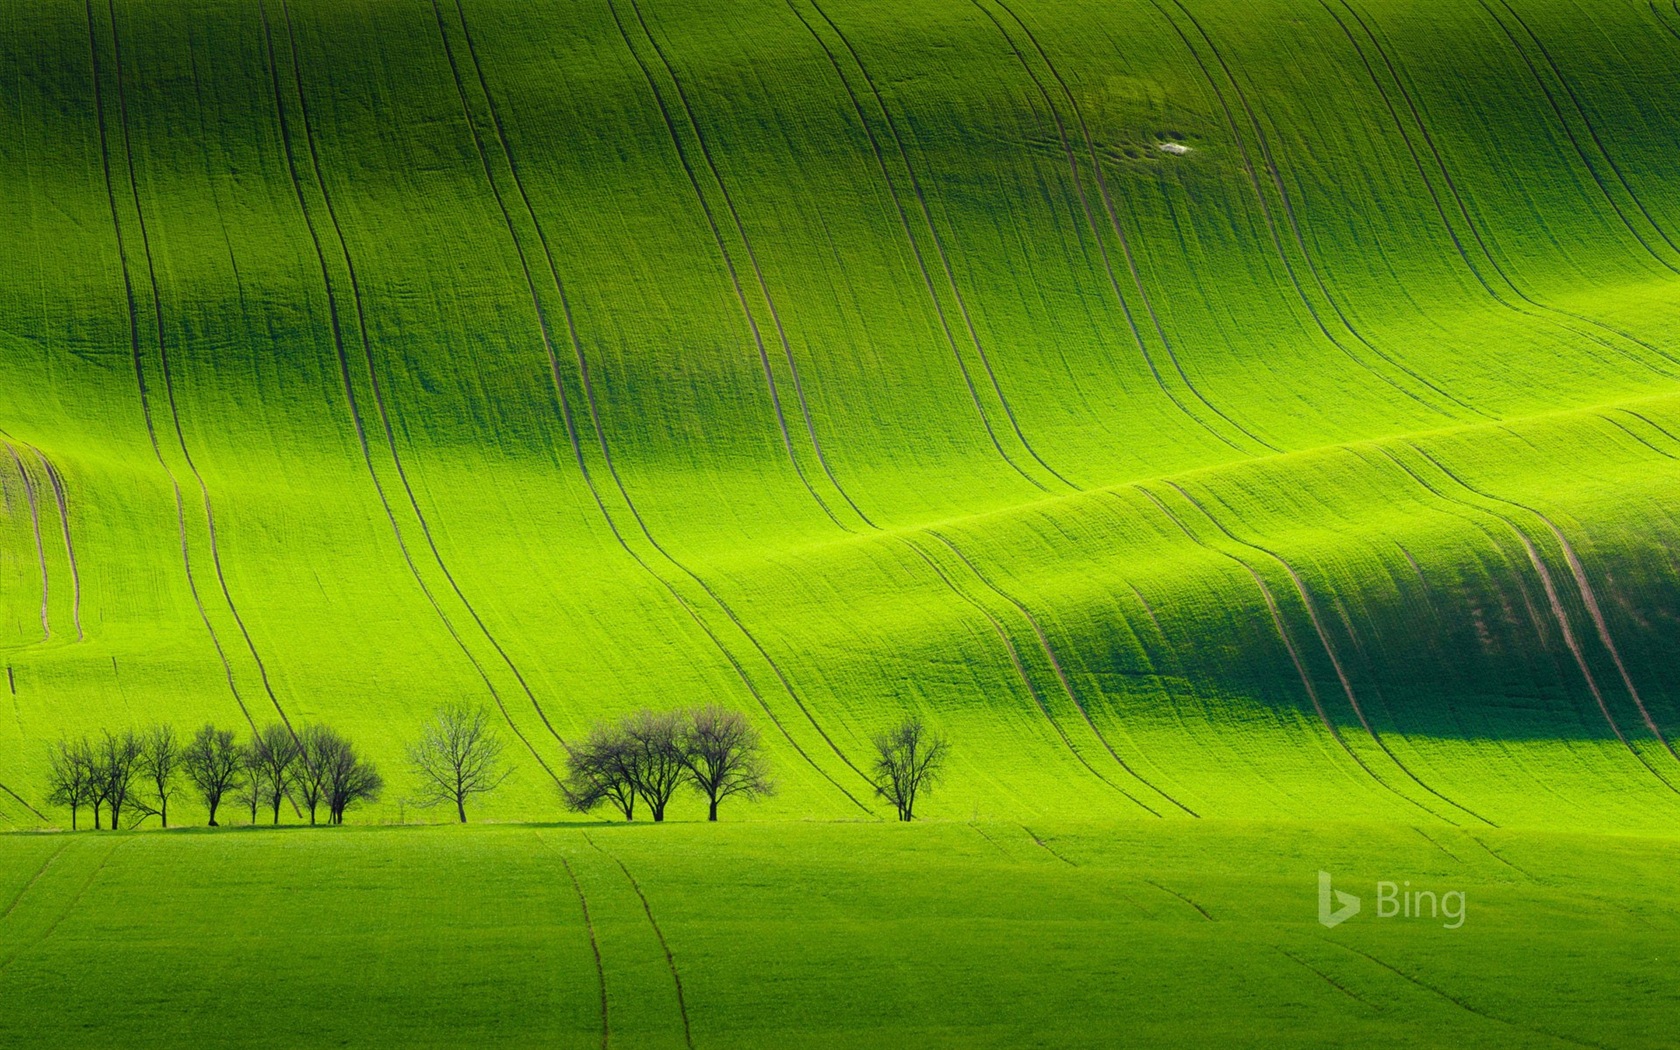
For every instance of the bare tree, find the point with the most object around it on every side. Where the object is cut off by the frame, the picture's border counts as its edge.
(275, 750)
(720, 750)
(654, 757)
(349, 778)
(215, 765)
(70, 776)
(253, 780)
(909, 760)
(160, 764)
(598, 770)
(316, 745)
(116, 763)
(457, 756)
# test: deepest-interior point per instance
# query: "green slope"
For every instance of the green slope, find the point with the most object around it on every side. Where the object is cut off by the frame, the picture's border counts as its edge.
(835, 360)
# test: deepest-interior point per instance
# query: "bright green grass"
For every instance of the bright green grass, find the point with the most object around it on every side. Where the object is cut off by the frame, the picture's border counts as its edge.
(835, 361)
(795, 934)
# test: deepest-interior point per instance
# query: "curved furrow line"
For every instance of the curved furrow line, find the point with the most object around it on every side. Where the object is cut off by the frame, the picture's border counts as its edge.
(1546, 312)
(594, 943)
(1330, 651)
(670, 960)
(1592, 132)
(1026, 679)
(168, 377)
(1588, 597)
(1294, 223)
(19, 799)
(758, 274)
(336, 324)
(1102, 246)
(381, 408)
(68, 908)
(1624, 428)
(1559, 614)
(595, 418)
(33, 879)
(1289, 645)
(139, 367)
(61, 497)
(944, 261)
(33, 498)
(1056, 666)
(728, 259)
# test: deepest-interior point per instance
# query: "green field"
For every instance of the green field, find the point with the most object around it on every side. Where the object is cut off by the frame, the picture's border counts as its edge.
(1248, 429)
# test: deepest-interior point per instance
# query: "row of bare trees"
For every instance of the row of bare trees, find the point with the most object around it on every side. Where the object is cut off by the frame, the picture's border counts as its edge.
(313, 767)
(643, 758)
(648, 755)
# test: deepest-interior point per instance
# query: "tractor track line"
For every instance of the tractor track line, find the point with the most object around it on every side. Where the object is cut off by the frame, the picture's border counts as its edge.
(670, 960)
(1294, 223)
(168, 377)
(1167, 889)
(1331, 981)
(1056, 665)
(1289, 646)
(344, 358)
(373, 382)
(1592, 132)
(594, 944)
(1096, 233)
(1588, 597)
(1559, 614)
(34, 499)
(758, 273)
(1460, 1003)
(1046, 847)
(945, 264)
(1021, 672)
(62, 499)
(33, 879)
(1550, 314)
(1330, 651)
(139, 367)
(595, 419)
(62, 915)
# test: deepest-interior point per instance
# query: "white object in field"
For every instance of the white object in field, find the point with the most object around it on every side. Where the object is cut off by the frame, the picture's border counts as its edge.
(1177, 149)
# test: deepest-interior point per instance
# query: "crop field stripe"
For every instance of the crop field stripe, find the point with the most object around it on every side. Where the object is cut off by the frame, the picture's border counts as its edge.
(1331, 981)
(343, 355)
(600, 432)
(1021, 672)
(1294, 654)
(1096, 232)
(1056, 666)
(728, 260)
(65, 912)
(61, 498)
(1294, 224)
(379, 400)
(1460, 1003)
(758, 274)
(945, 264)
(594, 944)
(33, 498)
(1592, 132)
(1588, 597)
(1546, 311)
(139, 367)
(1558, 611)
(33, 879)
(1329, 650)
(1125, 245)
(168, 377)
(1169, 890)
(670, 960)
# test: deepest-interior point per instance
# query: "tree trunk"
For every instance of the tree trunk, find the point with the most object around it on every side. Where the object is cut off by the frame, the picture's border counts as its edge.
(213, 804)
(96, 825)
(72, 818)
(711, 814)
(163, 812)
(312, 814)
(461, 810)
(277, 811)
